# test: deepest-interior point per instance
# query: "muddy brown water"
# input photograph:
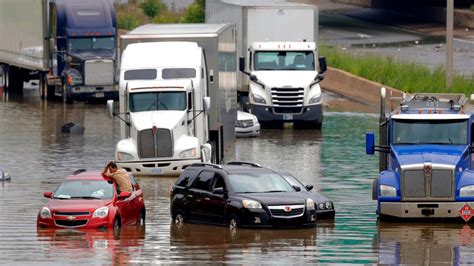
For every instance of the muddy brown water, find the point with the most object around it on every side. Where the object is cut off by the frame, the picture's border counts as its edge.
(38, 156)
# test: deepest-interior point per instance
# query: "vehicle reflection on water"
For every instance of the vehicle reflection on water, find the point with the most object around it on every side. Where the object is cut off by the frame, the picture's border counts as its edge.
(118, 247)
(424, 244)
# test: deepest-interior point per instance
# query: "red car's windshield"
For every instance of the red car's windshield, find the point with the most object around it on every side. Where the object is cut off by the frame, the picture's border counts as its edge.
(85, 189)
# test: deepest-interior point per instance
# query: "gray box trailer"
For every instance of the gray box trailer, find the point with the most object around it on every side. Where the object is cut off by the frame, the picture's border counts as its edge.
(219, 44)
(264, 21)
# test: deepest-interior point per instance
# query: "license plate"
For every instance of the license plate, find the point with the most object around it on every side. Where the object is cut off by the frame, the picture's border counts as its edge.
(99, 95)
(287, 116)
(156, 171)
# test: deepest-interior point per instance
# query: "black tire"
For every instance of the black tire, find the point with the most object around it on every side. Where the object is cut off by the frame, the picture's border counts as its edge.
(141, 219)
(375, 186)
(213, 152)
(117, 224)
(179, 218)
(51, 90)
(15, 81)
(233, 222)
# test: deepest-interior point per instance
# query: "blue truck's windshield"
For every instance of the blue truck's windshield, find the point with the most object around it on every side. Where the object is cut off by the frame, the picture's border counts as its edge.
(152, 101)
(94, 43)
(453, 132)
(284, 60)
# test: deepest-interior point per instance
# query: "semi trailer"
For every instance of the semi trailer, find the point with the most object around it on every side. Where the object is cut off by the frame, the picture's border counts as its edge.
(68, 45)
(278, 59)
(177, 97)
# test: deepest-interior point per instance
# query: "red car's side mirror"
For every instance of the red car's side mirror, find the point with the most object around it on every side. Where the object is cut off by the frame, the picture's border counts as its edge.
(124, 195)
(48, 194)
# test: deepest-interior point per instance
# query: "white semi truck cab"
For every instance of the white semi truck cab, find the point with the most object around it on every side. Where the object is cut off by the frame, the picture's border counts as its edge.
(163, 108)
(284, 82)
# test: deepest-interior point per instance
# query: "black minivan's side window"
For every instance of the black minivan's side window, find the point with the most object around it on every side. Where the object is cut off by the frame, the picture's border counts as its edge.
(185, 178)
(204, 181)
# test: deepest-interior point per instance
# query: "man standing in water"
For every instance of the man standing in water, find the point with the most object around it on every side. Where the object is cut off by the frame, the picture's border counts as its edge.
(119, 175)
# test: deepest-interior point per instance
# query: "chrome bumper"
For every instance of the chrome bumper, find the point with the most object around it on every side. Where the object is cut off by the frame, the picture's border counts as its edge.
(422, 209)
(156, 168)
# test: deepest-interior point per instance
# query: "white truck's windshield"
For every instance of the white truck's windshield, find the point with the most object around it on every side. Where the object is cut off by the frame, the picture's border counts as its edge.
(430, 132)
(152, 101)
(94, 43)
(284, 60)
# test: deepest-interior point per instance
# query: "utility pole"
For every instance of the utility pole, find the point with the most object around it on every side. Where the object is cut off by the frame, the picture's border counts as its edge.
(449, 43)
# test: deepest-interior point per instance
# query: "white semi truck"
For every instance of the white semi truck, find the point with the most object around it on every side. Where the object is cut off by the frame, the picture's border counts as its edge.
(279, 78)
(177, 97)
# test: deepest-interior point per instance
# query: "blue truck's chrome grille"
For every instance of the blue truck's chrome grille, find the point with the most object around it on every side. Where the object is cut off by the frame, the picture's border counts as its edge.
(438, 185)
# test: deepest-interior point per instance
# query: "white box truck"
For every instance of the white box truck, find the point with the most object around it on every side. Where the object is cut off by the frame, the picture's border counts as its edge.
(278, 58)
(177, 97)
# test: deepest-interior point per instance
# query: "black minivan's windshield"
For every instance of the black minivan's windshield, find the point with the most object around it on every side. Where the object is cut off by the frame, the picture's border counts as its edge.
(430, 132)
(259, 183)
(284, 60)
(152, 101)
(85, 189)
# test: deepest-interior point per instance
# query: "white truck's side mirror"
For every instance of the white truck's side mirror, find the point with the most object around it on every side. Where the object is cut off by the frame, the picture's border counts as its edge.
(206, 104)
(110, 108)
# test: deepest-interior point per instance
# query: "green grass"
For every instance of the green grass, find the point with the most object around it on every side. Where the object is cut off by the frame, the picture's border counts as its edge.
(405, 76)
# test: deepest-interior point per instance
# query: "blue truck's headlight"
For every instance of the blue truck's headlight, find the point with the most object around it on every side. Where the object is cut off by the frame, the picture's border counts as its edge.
(467, 191)
(388, 191)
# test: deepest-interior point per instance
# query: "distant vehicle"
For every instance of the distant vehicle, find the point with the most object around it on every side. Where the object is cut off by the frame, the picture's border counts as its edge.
(324, 207)
(88, 200)
(247, 125)
(426, 153)
(278, 59)
(176, 87)
(70, 46)
(4, 175)
(239, 194)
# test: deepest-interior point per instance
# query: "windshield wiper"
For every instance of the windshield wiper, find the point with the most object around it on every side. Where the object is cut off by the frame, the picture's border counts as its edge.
(85, 197)
(274, 191)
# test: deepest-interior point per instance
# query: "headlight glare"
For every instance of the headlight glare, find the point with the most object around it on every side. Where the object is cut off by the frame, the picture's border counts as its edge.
(467, 191)
(315, 99)
(309, 204)
(123, 156)
(45, 213)
(189, 153)
(251, 204)
(388, 191)
(101, 212)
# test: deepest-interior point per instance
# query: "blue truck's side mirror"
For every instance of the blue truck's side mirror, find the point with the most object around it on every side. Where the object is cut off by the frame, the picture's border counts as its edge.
(369, 143)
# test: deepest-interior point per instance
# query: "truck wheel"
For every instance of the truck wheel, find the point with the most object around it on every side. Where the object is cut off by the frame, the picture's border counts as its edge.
(375, 186)
(51, 92)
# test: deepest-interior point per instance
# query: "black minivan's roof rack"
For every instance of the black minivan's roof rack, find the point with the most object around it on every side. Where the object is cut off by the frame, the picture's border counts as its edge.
(207, 164)
(244, 163)
(78, 171)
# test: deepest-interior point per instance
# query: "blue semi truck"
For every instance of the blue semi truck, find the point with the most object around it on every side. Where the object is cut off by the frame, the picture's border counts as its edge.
(425, 158)
(70, 46)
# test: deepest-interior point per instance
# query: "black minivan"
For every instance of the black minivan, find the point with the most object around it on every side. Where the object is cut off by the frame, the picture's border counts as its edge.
(239, 194)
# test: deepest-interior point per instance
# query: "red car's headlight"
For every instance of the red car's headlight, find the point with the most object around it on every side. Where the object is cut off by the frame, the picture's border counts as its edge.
(45, 213)
(101, 212)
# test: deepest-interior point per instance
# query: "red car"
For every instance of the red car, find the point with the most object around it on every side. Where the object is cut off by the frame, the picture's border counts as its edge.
(88, 200)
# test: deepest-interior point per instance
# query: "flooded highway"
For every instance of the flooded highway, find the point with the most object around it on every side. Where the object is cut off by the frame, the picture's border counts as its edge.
(38, 156)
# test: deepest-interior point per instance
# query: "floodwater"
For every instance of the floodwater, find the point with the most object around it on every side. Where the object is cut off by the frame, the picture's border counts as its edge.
(38, 156)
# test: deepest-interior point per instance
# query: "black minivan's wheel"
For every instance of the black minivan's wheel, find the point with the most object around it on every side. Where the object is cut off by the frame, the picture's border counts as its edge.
(179, 218)
(233, 222)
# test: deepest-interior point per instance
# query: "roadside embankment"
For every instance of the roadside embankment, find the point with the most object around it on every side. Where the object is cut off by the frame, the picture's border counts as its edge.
(356, 88)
